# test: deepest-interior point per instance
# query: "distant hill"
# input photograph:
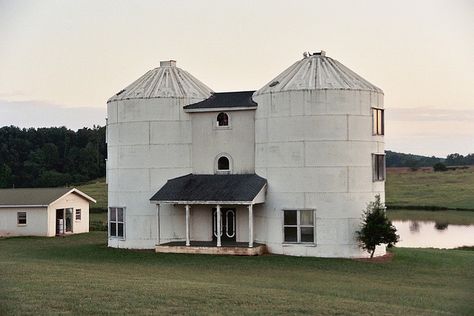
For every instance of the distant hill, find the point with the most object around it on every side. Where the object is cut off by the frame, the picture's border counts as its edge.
(395, 159)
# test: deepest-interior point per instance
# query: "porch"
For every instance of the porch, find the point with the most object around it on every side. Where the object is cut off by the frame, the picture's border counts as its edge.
(224, 196)
(211, 248)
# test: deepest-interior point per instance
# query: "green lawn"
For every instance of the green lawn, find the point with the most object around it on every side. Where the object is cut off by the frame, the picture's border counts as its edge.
(450, 189)
(98, 190)
(80, 275)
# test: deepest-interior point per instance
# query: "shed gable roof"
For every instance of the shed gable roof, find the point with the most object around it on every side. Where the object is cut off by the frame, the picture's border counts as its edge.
(36, 196)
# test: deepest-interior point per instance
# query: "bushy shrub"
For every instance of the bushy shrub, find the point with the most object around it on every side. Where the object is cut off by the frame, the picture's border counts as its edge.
(376, 229)
(439, 167)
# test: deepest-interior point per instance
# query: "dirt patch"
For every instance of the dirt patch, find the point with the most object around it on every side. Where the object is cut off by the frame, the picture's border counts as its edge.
(388, 257)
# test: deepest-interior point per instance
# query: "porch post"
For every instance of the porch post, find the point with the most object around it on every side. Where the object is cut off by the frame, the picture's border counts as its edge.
(250, 225)
(219, 224)
(188, 242)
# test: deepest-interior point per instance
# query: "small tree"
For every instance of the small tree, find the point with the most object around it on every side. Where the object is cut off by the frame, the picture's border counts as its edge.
(439, 167)
(376, 229)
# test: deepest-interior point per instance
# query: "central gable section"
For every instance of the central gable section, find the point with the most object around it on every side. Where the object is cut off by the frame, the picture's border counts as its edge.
(223, 133)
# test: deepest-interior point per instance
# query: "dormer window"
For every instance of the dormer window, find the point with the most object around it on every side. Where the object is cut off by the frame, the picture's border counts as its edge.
(222, 119)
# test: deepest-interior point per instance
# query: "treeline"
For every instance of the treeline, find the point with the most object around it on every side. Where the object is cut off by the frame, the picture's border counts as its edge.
(394, 159)
(50, 157)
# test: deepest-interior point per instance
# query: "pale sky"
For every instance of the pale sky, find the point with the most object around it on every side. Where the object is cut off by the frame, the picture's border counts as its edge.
(61, 60)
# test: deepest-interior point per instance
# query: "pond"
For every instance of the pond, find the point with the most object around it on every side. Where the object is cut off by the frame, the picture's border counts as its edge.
(431, 234)
(433, 229)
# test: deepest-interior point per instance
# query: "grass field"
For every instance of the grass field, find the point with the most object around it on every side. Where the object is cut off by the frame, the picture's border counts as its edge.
(98, 190)
(450, 189)
(80, 275)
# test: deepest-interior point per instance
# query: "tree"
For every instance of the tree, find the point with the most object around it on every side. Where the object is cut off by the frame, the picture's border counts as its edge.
(5, 176)
(376, 229)
(439, 167)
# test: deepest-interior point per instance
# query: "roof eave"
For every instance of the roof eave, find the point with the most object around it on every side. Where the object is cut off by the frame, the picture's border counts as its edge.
(74, 190)
(22, 205)
(220, 109)
(202, 202)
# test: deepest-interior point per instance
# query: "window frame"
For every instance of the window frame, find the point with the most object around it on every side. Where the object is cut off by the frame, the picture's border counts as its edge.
(299, 226)
(76, 213)
(216, 164)
(376, 119)
(123, 222)
(216, 121)
(18, 218)
(378, 175)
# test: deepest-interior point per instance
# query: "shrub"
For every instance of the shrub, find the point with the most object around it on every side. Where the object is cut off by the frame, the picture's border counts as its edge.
(376, 229)
(439, 167)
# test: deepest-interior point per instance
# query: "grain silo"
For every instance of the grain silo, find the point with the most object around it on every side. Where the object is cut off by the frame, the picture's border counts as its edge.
(319, 144)
(149, 141)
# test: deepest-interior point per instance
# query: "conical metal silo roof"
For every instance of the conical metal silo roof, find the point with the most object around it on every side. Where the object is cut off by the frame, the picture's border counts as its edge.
(317, 72)
(166, 81)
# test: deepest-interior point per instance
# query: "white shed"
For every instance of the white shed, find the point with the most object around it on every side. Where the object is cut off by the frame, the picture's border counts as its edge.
(43, 212)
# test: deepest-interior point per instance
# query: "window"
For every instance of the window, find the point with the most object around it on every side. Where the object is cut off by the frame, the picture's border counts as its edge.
(223, 164)
(21, 218)
(378, 164)
(378, 127)
(78, 215)
(298, 226)
(222, 119)
(117, 222)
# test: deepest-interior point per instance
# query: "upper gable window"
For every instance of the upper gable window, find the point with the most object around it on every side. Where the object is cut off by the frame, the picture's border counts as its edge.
(222, 119)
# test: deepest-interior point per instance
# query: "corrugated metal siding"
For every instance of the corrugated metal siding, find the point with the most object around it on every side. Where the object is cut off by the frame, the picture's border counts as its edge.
(317, 72)
(164, 82)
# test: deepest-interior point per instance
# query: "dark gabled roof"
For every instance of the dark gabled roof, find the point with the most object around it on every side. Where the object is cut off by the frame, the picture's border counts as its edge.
(35, 196)
(195, 188)
(239, 99)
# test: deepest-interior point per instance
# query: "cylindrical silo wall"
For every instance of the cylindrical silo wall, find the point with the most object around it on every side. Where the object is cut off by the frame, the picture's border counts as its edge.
(149, 142)
(315, 149)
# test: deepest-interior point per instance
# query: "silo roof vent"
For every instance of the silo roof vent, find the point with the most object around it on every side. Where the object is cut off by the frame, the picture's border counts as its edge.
(168, 63)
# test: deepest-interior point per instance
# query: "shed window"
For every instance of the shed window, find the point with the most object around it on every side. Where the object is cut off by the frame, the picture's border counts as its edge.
(378, 167)
(222, 119)
(21, 218)
(378, 127)
(298, 226)
(78, 214)
(223, 164)
(117, 222)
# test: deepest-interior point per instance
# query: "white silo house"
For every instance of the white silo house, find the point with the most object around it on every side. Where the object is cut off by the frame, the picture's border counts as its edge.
(286, 169)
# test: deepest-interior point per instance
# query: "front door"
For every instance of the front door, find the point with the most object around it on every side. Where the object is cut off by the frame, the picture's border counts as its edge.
(227, 224)
(64, 217)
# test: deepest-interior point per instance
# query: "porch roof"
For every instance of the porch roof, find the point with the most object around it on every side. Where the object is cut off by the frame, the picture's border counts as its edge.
(213, 189)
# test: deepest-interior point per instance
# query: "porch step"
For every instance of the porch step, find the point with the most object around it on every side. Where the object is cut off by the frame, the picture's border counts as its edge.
(257, 250)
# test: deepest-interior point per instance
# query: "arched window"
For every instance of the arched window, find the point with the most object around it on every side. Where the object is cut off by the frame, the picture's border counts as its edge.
(222, 119)
(223, 164)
